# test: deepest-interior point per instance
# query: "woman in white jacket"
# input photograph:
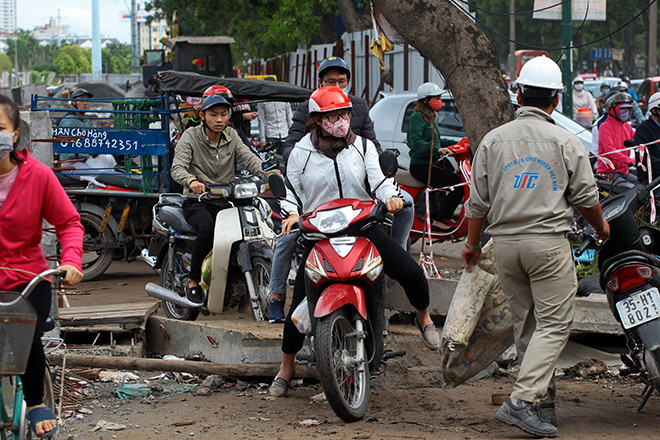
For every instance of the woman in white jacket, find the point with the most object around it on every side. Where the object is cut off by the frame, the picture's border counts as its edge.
(332, 162)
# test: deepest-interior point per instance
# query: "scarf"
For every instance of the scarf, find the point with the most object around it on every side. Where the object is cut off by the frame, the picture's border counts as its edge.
(330, 145)
(428, 114)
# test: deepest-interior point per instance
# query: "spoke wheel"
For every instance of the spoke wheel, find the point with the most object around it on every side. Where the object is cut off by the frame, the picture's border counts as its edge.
(261, 269)
(345, 381)
(176, 280)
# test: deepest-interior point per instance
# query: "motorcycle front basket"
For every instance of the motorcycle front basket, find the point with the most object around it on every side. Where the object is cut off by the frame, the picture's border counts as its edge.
(17, 325)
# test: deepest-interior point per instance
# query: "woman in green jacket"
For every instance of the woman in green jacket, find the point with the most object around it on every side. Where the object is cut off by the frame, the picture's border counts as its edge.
(420, 133)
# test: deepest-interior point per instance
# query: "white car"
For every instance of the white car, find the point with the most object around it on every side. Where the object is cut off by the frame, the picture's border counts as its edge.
(391, 111)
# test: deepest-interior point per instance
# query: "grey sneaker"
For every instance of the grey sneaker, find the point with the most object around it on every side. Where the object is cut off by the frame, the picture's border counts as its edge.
(429, 335)
(279, 388)
(546, 412)
(525, 417)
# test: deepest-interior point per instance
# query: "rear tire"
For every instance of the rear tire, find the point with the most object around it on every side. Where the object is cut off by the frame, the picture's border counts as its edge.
(261, 269)
(96, 258)
(176, 280)
(346, 388)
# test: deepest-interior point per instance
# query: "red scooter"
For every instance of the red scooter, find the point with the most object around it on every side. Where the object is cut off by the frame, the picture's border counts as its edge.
(344, 271)
(417, 190)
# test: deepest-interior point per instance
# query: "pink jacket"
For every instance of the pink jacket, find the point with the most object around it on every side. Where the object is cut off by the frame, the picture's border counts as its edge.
(36, 195)
(611, 135)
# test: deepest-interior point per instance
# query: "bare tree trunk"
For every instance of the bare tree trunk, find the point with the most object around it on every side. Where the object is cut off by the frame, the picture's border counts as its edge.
(449, 39)
(353, 21)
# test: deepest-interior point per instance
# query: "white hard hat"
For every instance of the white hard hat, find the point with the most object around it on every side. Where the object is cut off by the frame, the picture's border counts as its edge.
(654, 101)
(540, 72)
(578, 79)
(428, 89)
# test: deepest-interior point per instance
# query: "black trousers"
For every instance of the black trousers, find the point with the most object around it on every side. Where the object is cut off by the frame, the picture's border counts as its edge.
(440, 177)
(201, 216)
(33, 379)
(397, 264)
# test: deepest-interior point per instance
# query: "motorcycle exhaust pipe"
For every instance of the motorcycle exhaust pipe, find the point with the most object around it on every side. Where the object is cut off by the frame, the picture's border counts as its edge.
(156, 291)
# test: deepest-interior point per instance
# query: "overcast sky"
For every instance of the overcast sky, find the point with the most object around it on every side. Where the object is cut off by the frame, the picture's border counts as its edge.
(77, 14)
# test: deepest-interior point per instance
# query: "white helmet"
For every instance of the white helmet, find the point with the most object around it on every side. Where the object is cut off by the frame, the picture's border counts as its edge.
(578, 79)
(428, 89)
(654, 101)
(540, 72)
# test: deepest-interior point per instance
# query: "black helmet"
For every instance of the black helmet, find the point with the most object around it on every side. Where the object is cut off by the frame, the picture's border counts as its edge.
(625, 79)
(80, 92)
(333, 63)
(618, 98)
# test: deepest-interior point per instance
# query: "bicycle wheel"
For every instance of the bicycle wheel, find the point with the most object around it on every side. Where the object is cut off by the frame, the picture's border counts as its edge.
(9, 412)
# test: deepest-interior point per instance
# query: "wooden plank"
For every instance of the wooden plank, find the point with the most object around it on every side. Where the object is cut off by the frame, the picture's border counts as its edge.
(125, 363)
(95, 315)
(126, 308)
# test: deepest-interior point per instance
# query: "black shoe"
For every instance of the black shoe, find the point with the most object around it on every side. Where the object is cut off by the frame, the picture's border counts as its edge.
(195, 296)
(546, 412)
(525, 417)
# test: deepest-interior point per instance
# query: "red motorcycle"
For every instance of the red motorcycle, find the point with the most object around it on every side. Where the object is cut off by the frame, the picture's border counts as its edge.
(417, 190)
(344, 271)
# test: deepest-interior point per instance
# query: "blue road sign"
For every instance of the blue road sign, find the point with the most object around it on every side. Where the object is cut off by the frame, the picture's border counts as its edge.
(601, 53)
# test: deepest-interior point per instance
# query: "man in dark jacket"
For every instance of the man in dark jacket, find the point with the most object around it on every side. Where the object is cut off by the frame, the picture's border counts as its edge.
(333, 71)
(649, 131)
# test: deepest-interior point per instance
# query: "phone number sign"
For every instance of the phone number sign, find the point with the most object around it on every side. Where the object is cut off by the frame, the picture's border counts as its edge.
(108, 141)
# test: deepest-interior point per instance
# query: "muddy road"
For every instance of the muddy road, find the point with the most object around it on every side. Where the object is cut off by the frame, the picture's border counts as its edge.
(407, 400)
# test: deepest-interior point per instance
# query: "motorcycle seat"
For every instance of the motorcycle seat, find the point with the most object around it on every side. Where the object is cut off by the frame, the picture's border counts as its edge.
(172, 215)
(405, 178)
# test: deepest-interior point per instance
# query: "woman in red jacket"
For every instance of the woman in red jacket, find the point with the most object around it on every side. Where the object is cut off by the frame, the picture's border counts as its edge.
(29, 194)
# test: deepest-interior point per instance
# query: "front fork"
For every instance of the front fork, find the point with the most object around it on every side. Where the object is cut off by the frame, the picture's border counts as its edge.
(358, 361)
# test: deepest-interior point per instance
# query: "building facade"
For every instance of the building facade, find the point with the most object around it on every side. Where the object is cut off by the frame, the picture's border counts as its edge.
(7, 16)
(151, 34)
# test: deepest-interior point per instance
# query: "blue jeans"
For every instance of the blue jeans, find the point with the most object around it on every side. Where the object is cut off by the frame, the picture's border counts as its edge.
(282, 262)
(403, 221)
(286, 245)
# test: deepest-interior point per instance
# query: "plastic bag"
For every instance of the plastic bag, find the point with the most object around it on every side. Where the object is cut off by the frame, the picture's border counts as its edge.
(301, 318)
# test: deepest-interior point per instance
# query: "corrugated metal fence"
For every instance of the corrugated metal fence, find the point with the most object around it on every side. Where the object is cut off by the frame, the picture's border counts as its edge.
(408, 68)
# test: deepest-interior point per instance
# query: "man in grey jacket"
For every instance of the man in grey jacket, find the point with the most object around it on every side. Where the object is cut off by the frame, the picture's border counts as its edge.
(207, 154)
(526, 178)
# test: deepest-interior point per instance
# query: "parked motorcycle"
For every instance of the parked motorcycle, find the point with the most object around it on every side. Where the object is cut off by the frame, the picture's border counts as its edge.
(238, 268)
(417, 190)
(344, 271)
(630, 277)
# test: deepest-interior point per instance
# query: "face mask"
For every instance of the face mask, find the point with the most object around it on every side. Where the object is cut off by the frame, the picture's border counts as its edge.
(6, 144)
(338, 129)
(624, 114)
(604, 91)
(345, 90)
(435, 104)
(578, 87)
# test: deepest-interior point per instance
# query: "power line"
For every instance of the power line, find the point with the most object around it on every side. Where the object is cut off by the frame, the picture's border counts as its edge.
(525, 45)
(472, 5)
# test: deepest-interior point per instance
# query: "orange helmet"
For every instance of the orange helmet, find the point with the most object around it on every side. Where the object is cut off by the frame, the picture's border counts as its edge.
(328, 99)
(219, 90)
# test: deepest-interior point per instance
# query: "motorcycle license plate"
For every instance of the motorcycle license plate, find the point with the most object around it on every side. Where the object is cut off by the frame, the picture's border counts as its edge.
(639, 308)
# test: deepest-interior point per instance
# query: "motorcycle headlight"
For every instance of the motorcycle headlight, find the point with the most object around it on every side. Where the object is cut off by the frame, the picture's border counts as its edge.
(246, 190)
(334, 220)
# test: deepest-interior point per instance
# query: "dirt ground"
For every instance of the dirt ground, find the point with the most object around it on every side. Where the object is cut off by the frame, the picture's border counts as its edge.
(407, 401)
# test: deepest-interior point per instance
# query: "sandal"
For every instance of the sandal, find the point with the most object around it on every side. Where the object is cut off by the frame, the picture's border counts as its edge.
(40, 414)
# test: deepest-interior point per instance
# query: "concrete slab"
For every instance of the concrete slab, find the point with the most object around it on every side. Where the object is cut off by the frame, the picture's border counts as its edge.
(592, 313)
(216, 341)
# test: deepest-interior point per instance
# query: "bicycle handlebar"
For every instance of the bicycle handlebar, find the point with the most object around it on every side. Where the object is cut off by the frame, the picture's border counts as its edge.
(41, 277)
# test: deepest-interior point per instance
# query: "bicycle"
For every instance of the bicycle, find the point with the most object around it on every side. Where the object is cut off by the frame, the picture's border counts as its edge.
(18, 321)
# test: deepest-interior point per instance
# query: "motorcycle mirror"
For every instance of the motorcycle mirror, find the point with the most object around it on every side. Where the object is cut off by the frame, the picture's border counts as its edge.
(277, 186)
(388, 163)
